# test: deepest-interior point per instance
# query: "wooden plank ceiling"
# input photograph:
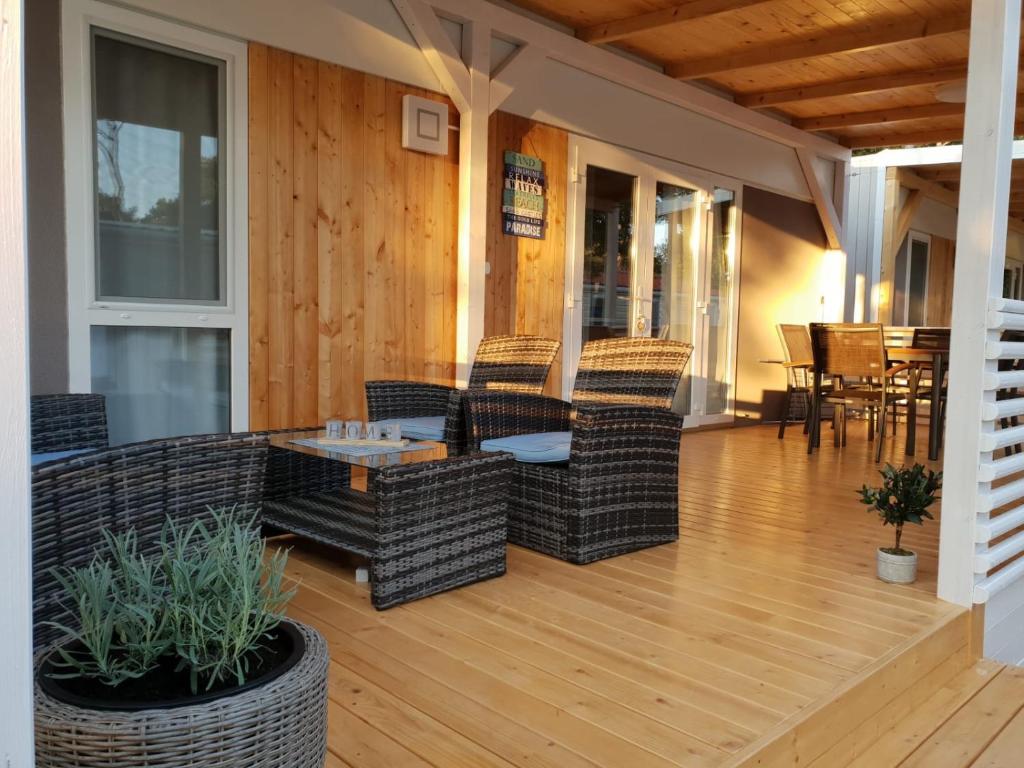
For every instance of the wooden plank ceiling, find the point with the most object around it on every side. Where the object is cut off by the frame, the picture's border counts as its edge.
(864, 71)
(947, 177)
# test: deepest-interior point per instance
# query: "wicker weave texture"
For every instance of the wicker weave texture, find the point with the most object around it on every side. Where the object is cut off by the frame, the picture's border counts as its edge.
(426, 527)
(619, 490)
(638, 371)
(140, 486)
(513, 363)
(68, 422)
(282, 724)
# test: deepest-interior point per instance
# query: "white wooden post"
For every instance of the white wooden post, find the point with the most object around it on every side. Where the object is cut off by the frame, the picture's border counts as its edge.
(15, 519)
(476, 43)
(981, 248)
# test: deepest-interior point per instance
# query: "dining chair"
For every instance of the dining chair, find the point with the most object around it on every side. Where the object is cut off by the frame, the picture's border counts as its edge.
(435, 411)
(848, 351)
(798, 361)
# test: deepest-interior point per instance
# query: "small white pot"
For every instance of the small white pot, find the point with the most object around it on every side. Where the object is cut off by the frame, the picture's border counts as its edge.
(897, 569)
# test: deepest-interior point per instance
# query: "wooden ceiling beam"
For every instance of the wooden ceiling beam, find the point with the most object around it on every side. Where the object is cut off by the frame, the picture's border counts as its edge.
(916, 138)
(828, 43)
(879, 116)
(854, 87)
(610, 31)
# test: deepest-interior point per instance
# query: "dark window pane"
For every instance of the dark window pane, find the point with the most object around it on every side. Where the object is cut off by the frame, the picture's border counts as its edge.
(607, 269)
(158, 141)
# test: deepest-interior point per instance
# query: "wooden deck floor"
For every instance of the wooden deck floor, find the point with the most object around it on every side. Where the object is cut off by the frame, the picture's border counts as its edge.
(681, 655)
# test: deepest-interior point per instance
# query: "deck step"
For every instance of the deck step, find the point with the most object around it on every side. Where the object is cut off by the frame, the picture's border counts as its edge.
(848, 724)
(977, 720)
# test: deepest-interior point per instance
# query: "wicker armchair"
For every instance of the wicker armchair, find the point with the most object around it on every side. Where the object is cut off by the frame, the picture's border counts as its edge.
(619, 490)
(846, 351)
(68, 422)
(503, 363)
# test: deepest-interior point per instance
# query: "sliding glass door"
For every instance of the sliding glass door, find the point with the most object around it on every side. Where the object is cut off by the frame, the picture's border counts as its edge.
(652, 253)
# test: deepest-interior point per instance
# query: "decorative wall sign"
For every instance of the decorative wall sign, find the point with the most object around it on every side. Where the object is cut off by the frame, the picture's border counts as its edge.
(522, 203)
(424, 125)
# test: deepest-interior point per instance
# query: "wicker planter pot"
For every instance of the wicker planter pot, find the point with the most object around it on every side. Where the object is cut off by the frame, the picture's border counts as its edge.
(897, 569)
(282, 723)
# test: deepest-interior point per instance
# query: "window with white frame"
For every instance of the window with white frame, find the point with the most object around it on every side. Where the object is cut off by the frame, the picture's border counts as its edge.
(910, 281)
(155, 145)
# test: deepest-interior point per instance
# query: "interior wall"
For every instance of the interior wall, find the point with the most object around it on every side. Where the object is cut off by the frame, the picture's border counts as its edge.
(525, 290)
(352, 241)
(44, 178)
(785, 277)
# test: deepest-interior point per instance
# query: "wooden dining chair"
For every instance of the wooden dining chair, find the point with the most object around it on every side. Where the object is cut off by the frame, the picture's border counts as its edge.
(798, 360)
(848, 352)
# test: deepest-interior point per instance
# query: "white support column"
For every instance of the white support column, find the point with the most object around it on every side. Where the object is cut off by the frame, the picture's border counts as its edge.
(476, 40)
(16, 750)
(981, 249)
(465, 76)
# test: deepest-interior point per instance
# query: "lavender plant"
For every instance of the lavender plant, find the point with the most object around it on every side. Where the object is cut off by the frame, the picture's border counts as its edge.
(209, 599)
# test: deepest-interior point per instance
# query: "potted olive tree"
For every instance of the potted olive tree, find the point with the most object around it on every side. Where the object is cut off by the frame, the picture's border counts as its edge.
(182, 656)
(903, 497)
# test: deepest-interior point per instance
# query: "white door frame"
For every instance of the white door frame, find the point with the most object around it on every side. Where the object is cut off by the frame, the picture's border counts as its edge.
(84, 310)
(921, 237)
(648, 169)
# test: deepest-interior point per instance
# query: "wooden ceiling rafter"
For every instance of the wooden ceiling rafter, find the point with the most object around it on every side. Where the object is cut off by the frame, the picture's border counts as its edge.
(854, 87)
(610, 31)
(879, 116)
(863, 38)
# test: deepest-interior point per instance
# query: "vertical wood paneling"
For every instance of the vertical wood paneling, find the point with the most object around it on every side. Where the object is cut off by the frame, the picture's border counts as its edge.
(259, 131)
(940, 282)
(305, 253)
(281, 297)
(526, 286)
(352, 242)
(329, 248)
(348, 370)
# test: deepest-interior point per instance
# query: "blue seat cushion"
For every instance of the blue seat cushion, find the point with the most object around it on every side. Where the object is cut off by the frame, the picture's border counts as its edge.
(42, 458)
(538, 448)
(423, 427)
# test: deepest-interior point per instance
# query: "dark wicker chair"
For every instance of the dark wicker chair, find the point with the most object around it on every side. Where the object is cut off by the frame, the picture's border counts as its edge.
(142, 484)
(502, 363)
(68, 422)
(619, 490)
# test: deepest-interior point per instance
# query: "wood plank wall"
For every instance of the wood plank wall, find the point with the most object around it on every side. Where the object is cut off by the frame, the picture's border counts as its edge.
(940, 282)
(352, 242)
(525, 290)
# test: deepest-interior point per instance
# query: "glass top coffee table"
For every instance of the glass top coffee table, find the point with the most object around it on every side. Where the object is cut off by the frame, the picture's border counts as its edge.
(417, 452)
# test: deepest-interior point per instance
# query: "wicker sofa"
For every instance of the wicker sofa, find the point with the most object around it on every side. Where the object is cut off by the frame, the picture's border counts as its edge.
(502, 363)
(618, 491)
(68, 422)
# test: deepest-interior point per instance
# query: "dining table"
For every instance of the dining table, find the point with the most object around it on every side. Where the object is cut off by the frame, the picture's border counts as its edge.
(936, 359)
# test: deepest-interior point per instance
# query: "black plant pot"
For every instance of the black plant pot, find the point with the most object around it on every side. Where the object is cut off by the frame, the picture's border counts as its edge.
(282, 651)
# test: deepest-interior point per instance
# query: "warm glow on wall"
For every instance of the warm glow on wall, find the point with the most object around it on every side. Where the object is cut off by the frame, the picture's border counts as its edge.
(832, 285)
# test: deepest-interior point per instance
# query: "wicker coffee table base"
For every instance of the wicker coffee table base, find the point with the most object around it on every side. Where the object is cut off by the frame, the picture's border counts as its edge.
(279, 725)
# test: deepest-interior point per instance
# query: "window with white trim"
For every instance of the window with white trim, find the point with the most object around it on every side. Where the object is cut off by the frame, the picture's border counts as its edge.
(910, 281)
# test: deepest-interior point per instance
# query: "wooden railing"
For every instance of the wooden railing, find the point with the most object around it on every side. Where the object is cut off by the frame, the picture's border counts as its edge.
(999, 528)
